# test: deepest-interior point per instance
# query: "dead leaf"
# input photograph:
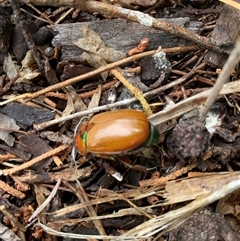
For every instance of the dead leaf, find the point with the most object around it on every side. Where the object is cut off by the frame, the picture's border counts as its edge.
(7, 124)
(98, 54)
(74, 102)
(95, 61)
(10, 67)
(93, 43)
(29, 70)
(95, 99)
(56, 137)
(230, 205)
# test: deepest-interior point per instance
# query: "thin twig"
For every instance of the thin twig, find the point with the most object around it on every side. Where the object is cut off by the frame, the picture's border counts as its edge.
(64, 15)
(40, 13)
(35, 160)
(108, 10)
(97, 71)
(28, 37)
(14, 192)
(232, 3)
(231, 63)
(117, 104)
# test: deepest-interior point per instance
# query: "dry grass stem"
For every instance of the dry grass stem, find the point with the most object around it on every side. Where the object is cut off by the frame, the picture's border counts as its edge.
(83, 198)
(231, 63)
(82, 236)
(135, 91)
(174, 218)
(189, 104)
(46, 202)
(231, 3)
(109, 196)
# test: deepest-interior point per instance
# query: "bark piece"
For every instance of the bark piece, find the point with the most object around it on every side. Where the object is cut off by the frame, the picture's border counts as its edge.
(5, 33)
(26, 115)
(224, 34)
(118, 34)
(36, 146)
(19, 45)
(71, 70)
(15, 150)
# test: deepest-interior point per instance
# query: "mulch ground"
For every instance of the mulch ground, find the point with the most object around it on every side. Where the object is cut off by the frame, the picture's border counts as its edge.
(61, 63)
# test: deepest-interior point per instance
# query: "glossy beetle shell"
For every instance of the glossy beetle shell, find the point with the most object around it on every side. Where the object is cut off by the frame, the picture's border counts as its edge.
(115, 132)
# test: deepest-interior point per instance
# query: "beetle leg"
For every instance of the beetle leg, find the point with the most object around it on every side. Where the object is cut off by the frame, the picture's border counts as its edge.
(106, 157)
(126, 161)
(110, 170)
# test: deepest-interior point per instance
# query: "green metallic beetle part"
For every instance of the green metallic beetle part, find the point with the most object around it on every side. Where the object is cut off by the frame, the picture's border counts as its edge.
(84, 138)
(153, 138)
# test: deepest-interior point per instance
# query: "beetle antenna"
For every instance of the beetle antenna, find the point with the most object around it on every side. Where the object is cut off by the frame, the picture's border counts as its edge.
(74, 152)
(78, 124)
